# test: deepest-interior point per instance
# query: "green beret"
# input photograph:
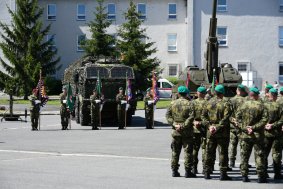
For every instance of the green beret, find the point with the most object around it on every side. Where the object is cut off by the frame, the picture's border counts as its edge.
(273, 91)
(281, 89)
(148, 90)
(254, 90)
(183, 89)
(268, 86)
(120, 88)
(220, 89)
(202, 90)
(241, 87)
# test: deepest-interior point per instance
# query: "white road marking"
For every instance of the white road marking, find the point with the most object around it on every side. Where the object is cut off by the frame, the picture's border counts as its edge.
(28, 127)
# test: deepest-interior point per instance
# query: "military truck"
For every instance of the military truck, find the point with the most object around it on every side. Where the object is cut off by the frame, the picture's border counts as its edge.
(224, 73)
(83, 77)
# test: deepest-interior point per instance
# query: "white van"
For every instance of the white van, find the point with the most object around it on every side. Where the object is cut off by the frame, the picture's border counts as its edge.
(164, 88)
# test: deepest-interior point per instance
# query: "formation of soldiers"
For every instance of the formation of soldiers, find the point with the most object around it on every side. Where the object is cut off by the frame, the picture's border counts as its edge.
(213, 122)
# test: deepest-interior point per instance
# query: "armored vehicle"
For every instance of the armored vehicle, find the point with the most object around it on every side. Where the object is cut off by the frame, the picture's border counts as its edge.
(224, 73)
(83, 76)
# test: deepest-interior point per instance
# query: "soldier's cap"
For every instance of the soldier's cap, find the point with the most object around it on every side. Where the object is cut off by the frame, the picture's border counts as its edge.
(201, 89)
(254, 90)
(183, 90)
(241, 87)
(281, 89)
(120, 88)
(273, 91)
(268, 86)
(148, 90)
(220, 89)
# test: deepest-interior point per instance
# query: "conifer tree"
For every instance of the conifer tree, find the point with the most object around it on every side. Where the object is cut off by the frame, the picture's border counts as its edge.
(25, 47)
(134, 48)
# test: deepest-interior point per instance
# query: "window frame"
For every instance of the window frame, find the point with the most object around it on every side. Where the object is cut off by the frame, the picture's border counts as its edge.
(111, 15)
(176, 44)
(51, 16)
(78, 14)
(79, 46)
(52, 39)
(171, 65)
(226, 36)
(169, 15)
(280, 38)
(279, 75)
(218, 9)
(142, 16)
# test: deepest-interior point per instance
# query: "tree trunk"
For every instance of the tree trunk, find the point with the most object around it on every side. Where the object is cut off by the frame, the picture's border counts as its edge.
(11, 104)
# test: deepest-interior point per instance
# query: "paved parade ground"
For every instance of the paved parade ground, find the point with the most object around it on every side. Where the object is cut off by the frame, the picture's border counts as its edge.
(109, 158)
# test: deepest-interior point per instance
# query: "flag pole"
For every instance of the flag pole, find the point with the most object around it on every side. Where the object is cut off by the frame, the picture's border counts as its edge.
(153, 88)
(126, 91)
(40, 73)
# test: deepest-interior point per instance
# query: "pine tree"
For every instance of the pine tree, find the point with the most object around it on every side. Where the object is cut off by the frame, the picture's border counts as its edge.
(101, 43)
(25, 47)
(135, 49)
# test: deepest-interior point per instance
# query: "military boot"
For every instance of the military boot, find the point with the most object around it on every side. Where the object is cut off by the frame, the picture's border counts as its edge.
(232, 163)
(262, 180)
(189, 174)
(224, 176)
(175, 173)
(246, 179)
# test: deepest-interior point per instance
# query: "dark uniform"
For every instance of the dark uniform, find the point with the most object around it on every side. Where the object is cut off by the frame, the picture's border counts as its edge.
(252, 115)
(64, 112)
(121, 109)
(180, 115)
(95, 111)
(148, 109)
(34, 111)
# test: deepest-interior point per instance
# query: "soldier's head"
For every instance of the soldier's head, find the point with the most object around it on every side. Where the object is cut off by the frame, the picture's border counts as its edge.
(267, 88)
(183, 91)
(254, 93)
(281, 91)
(219, 91)
(241, 90)
(64, 89)
(121, 90)
(273, 93)
(201, 92)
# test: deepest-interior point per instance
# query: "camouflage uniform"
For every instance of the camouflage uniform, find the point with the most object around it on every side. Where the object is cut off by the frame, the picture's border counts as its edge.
(64, 112)
(34, 112)
(121, 110)
(94, 111)
(236, 102)
(148, 108)
(252, 113)
(199, 134)
(280, 102)
(273, 136)
(181, 112)
(216, 113)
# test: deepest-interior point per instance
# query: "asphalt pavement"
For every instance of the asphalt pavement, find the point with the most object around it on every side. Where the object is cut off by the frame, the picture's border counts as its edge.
(134, 158)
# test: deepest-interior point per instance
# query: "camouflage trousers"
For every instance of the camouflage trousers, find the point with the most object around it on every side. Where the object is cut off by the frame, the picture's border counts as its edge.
(234, 140)
(212, 144)
(273, 144)
(65, 115)
(148, 118)
(198, 141)
(177, 143)
(121, 117)
(34, 116)
(247, 145)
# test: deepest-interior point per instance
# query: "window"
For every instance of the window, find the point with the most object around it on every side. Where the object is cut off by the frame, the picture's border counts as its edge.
(111, 11)
(281, 6)
(114, 38)
(166, 85)
(80, 40)
(52, 45)
(51, 12)
(222, 36)
(222, 5)
(172, 11)
(242, 67)
(281, 73)
(281, 36)
(81, 12)
(172, 72)
(172, 42)
(142, 11)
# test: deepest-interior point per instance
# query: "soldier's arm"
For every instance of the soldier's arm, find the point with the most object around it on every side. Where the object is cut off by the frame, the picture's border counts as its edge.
(225, 120)
(279, 123)
(239, 117)
(191, 115)
(204, 117)
(169, 116)
(263, 121)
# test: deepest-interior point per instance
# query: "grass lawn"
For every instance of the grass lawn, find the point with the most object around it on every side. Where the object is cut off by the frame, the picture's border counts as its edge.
(160, 104)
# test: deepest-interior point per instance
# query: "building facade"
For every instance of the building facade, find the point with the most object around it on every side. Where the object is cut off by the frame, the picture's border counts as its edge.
(250, 32)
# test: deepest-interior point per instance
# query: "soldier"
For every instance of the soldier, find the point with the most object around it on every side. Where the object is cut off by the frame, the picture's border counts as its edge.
(266, 91)
(199, 129)
(215, 117)
(64, 112)
(236, 102)
(209, 94)
(34, 110)
(180, 115)
(121, 108)
(280, 102)
(252, 116)
(94, 110)
(273, 132)
(148, 108)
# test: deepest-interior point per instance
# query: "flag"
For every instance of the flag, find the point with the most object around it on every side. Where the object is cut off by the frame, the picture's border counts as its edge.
(188, 79)
(98, 85)
(41, 93)
(70, 102)
(154, 88)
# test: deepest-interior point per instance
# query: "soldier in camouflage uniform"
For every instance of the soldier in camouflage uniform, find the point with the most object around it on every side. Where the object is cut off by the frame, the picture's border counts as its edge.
(273, 132)
(148, 108)
(252, 116)
(209, 94)
(64, 112)
(180, 115)
(94, 110)
(34, 109)
(199, 129)
(236, 102)
(215, 117)
(121, 108)
(266, 92)
(280, 102)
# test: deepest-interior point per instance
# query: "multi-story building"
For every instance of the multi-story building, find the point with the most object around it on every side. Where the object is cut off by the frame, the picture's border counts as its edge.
(250, 32)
